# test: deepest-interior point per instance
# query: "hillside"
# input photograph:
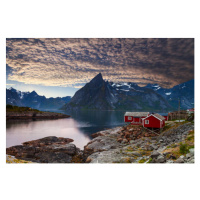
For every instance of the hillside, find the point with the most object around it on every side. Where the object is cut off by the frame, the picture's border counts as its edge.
(15, 112)
(174, 145)
(183, 92)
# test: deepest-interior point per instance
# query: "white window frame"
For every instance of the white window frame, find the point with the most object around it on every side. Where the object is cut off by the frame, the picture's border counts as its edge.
(129, 118)
(146, 121)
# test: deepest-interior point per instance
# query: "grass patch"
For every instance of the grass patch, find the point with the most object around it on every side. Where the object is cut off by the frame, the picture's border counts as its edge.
(10, 108)
(190, 138)
(142, 161)
(183, 149)
(150, 160)
(166, 127)
(129, 149)
(173, 145)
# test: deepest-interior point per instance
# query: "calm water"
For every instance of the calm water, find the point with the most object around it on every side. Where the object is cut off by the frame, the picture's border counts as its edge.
(79, 127)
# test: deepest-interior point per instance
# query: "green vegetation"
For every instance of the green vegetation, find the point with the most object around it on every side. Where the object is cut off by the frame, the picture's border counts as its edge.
(129, 149)
(10, 159)
(142, 161)
(10, 108)
(183, 149)
(190, 138)
(150, 160)
(166, 127)
(177, 149)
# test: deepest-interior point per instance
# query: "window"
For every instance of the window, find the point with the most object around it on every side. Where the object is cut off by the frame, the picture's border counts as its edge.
(146, 121)
(129, 118)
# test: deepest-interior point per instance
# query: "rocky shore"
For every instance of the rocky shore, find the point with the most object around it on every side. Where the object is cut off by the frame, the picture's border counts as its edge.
(47, 150)
(131, 144)
(34, 115)
(128, 144)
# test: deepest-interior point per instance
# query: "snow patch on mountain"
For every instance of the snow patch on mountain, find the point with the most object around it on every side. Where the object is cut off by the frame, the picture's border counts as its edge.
(168, 93)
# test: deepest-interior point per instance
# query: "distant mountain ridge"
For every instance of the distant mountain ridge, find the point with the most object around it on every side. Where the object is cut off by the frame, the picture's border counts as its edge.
(183, 92)
(99, 94)
(33, 100)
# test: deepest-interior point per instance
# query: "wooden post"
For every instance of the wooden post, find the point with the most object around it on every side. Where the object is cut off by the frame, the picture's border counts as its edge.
(179, 109)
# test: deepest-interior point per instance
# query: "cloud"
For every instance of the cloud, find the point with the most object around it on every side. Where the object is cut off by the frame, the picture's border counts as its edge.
(73, 62)
(9, 84)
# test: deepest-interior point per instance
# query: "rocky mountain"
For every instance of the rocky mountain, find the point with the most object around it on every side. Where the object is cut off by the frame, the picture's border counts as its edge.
(33, 100)
(103, 95)
(183, 92)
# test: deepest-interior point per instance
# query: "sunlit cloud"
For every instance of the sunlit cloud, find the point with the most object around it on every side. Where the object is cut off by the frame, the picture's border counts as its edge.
(10, 84)
(73, 62)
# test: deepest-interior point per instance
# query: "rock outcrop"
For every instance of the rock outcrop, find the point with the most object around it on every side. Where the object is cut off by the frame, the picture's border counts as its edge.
(146, 147)
(47, 150)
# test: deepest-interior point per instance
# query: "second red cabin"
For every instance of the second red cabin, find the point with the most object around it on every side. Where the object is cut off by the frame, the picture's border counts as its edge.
(135, 117)
(153, 121)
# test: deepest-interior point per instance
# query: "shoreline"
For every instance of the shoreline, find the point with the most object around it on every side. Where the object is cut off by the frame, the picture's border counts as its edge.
(34, 115)
(127, 144)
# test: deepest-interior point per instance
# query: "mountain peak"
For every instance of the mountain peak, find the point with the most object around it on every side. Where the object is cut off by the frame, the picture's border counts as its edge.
(34, 92)
(11, 88)
(98, 76)
(97, 79)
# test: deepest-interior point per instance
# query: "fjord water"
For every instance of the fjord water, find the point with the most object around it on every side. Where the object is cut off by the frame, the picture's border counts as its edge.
(79, 127)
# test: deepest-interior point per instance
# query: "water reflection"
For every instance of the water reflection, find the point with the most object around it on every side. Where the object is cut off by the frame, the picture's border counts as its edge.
(79, 127)
(21, 131)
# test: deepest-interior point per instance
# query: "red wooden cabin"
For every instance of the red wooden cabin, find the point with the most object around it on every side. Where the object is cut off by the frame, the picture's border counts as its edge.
(166, 117)
(135, 118)
(153, 121)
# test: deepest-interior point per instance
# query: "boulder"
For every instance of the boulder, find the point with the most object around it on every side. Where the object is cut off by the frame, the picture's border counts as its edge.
(101, 143)
(155, 154)
(179, 160)
(192, 151)
(119, 140)
(189, 155)
(94, 135)
(111, 156)
(160, 159)
(191, 160)
(46, 150)
(154, 147)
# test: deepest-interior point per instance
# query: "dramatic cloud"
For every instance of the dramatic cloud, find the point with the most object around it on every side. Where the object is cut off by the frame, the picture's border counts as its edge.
(73, 62)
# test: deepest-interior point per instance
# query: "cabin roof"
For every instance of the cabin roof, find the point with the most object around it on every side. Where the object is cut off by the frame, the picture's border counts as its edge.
(136, 114)
(156, 115)
(159, 116)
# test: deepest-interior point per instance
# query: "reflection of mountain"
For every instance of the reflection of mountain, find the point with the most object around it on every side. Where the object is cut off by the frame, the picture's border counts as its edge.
(33, 100)
(103, 95)
(93, 121)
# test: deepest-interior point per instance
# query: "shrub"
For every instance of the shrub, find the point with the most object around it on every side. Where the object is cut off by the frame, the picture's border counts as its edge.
(183, 149)
(150, 160)
(142, 161)
(8, 106)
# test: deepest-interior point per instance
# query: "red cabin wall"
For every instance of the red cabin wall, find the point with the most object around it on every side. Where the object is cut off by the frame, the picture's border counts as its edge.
(134, 120)
(163, 123)
(166, 118)
(154, 122)
(128, 120)
(137, 121)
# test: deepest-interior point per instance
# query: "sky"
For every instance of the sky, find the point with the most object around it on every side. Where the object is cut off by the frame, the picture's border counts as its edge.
(59, 67)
